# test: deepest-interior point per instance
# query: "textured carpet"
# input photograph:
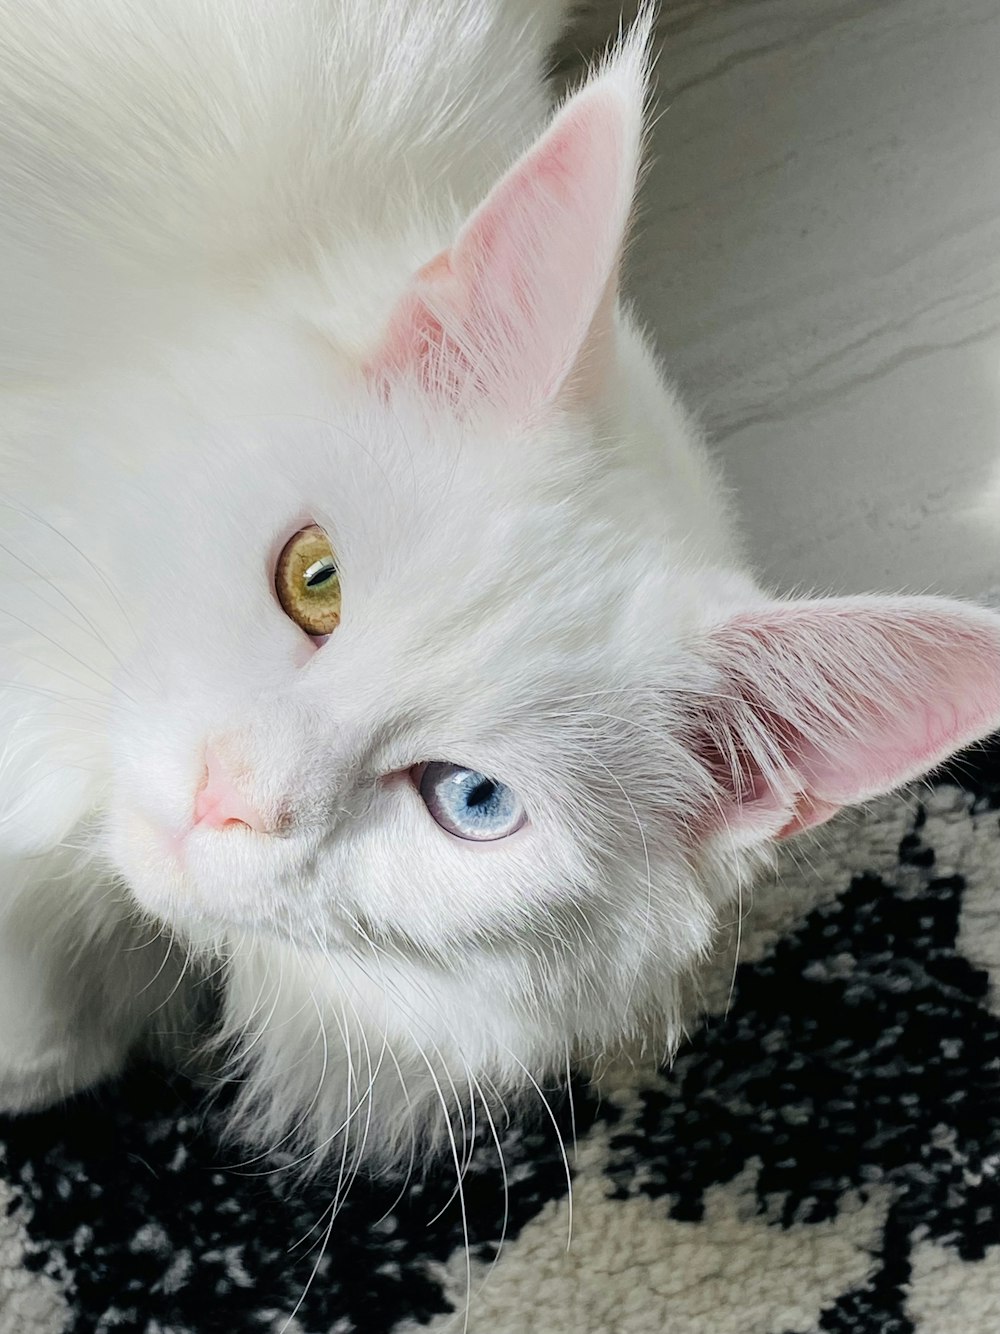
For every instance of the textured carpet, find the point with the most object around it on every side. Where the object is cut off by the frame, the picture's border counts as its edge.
(824, 1154)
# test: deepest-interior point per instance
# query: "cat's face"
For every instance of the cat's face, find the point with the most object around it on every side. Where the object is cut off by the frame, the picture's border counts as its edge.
(553, 717)
(496, 618)
(478, 754)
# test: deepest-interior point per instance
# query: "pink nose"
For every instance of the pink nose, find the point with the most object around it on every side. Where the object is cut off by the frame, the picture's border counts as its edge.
(218, 805)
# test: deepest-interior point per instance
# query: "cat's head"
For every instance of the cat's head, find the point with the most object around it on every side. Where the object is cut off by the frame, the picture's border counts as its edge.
(445, 650)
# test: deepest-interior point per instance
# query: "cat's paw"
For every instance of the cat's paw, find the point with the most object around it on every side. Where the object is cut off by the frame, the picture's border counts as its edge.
(30, 1082)
(54, 1037)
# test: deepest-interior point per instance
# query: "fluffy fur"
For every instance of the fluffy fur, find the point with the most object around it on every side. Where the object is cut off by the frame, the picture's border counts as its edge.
(319, 261)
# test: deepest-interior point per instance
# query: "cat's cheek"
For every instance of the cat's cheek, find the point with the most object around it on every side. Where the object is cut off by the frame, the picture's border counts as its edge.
(415, 880)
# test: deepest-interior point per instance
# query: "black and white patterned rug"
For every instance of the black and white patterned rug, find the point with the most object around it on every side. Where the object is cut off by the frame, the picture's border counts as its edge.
(824, 1154)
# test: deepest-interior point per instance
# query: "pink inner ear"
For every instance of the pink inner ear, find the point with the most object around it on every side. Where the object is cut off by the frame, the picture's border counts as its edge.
(829, 703)
(809, 812)
(505, 314)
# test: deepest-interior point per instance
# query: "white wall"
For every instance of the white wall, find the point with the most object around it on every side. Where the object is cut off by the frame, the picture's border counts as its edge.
(819, 256)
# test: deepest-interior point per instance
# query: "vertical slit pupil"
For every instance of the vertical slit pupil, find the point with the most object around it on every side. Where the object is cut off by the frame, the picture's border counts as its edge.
(321, 577)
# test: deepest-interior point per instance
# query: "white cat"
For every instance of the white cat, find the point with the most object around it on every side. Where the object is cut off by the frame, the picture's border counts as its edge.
(373, 633)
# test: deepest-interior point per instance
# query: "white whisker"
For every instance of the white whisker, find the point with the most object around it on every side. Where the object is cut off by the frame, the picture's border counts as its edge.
(559, 1139)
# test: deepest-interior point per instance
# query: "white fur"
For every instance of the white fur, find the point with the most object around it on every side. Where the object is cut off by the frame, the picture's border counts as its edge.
(208, 214)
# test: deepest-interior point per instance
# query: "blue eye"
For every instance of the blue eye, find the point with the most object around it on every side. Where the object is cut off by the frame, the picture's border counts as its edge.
(470, 805)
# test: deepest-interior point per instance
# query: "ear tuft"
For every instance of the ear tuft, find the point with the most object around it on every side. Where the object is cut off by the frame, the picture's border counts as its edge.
(513, 308)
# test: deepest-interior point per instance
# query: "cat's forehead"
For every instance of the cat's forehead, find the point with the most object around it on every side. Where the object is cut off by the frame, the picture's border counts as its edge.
(470, 550)
(408, 491)
(404, 494)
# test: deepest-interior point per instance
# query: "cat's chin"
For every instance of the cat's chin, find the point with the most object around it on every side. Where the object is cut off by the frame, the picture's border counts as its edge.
(152, 862)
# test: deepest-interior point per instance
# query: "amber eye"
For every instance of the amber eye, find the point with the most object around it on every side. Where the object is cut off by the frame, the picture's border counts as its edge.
(307, 582)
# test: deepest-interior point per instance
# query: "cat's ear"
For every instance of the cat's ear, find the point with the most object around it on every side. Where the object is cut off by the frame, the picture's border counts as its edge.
(522, 304)
(817, 705)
